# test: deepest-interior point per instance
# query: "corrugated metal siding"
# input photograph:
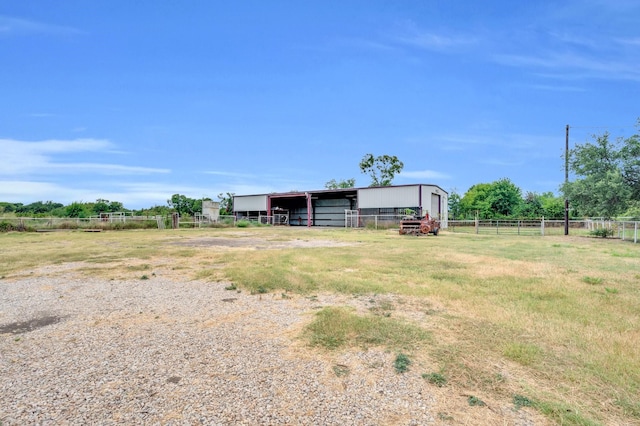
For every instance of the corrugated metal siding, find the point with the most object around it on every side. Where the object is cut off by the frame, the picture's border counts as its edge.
(444, 220)
(399, 196)
(249, 203)
(330, 212)
(435, 206)
(427, 204)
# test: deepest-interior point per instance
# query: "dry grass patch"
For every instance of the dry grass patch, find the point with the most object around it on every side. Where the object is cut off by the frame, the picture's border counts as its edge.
(552, 319)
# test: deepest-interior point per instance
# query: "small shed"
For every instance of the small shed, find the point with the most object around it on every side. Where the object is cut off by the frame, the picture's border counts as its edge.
(211, 210)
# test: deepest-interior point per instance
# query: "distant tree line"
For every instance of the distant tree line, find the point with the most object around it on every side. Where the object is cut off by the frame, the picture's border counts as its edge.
(181, 204)
(502, 199)
(75, 209)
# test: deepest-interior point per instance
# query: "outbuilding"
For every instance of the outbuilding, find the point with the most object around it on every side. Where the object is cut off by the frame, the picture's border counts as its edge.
(344, 207)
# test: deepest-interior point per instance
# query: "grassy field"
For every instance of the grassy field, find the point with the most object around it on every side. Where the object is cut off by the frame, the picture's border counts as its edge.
(549, 322)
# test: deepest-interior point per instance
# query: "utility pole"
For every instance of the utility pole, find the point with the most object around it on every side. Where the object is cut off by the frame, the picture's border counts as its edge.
(566, 180)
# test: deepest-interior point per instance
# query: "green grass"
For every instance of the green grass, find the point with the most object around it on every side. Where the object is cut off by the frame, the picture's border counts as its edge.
(435, 378)
(339, 327)
(511, 301)
(523, 353)
(402, 363)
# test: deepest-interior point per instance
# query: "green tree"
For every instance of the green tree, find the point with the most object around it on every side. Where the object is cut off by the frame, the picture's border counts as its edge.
(607, 176)
(105, 206)
(630, 155)
(37, 208)
(475, 201)
(153, 211)
(185, 205)
(504, 198)
(76, 209)
(345, 183)
(7, 207)
(100, 206)
(531, 207)
(226, 203)
(116, 206)
(455, 209)
(492, 200)
(381, 169)
(552, 206)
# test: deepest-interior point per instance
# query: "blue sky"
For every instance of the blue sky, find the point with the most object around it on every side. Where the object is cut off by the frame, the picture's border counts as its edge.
(134, 101)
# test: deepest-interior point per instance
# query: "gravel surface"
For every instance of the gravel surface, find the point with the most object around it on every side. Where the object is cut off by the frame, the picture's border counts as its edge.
(94, 351)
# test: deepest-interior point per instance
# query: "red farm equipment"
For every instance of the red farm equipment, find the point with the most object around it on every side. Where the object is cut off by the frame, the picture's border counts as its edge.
(425, 226)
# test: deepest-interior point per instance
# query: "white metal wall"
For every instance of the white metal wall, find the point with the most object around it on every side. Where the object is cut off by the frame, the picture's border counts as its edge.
(249, 203)
(431, 196)
(398, 196)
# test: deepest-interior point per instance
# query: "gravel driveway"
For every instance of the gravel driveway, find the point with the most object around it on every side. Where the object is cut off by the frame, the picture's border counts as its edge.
(77, 350)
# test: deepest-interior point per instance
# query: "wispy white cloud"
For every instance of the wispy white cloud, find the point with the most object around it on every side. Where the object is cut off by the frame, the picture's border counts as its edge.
(22, 158)
(55, 145)
(106, 169)
(572, 62)
(41, 115)
(496, 145)
(229, 174)
(433, 41)
(408, 33)
(576, 56)
(633, 41)
(364, 44)
(501, 162)
(10, 25)
(423, 174)
(132, 195)
(27, 191)
(558, 88)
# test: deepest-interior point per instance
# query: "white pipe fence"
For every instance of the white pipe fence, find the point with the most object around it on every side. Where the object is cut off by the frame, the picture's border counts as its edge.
(624, 230)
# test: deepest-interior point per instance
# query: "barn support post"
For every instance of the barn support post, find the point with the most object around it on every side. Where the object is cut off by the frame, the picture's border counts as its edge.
(268, 206)
(309, 214)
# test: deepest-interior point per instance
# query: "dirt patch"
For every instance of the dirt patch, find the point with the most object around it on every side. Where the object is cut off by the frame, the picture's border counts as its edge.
(258, 243)
(25, 326)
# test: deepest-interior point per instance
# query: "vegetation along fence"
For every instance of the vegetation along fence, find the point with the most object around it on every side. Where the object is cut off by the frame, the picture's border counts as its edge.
(53, 223)
(625, 230)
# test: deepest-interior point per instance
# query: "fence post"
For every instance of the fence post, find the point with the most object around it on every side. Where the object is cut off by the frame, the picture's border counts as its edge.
(542, 227)
(376, 221)
(518, 227)
(635, 233)
(477, 225)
